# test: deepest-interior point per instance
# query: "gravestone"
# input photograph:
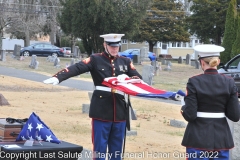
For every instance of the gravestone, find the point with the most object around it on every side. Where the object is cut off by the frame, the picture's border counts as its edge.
(188, 59)
(177, 123)
(147, 74)
(164, 61)
(235, 129)
(3, 100)
(52, 58)
(34, 63)
(136, 59)
(72, 61)
(16, 51)
(144, 54)
(3, 55)
(57, 62)
(180, 60)
(76, 51)
(167, 68)
(169, 63)
(197, 64)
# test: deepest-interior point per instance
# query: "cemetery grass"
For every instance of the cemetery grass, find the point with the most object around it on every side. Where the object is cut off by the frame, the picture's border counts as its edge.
(61, 109)
(172, 80)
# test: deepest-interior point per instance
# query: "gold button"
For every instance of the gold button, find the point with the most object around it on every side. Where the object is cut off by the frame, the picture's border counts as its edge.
(112, 60)
(114, 69)
(102, 69)
(114, 74)
(100, 96)
(112, 64)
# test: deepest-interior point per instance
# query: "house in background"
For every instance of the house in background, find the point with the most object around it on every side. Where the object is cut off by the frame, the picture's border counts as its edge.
(175, 49)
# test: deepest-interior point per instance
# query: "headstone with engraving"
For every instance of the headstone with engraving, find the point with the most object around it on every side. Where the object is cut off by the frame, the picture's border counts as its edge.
(147, 74)
(34, 63)
(3, 55)
(188, 59)
(180, 60)
(57, 63)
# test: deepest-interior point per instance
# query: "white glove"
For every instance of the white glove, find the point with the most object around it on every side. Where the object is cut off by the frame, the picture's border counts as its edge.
(52, 80)
(182, 101)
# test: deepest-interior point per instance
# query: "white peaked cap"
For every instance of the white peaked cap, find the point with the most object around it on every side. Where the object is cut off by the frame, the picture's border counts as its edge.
(112, 37)
(208, 50)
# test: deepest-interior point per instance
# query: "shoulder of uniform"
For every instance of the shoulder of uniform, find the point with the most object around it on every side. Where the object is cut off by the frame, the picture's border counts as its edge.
(197, 75)
(224, 75)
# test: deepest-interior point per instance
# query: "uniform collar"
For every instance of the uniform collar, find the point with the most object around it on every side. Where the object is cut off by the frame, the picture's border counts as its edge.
(109, 56)
(211, 71)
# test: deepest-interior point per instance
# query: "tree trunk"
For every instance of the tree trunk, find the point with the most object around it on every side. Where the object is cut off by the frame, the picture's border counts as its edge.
(52, 34)
(151, 45)
(27, 38)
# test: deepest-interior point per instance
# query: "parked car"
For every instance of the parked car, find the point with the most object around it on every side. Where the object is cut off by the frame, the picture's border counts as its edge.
(232, 69)
(152, 56)
(41, 49)
(131, 52)
(67, 51)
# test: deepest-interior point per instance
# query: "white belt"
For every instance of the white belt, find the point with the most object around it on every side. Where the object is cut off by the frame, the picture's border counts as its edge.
(210, 115)
(109, 90)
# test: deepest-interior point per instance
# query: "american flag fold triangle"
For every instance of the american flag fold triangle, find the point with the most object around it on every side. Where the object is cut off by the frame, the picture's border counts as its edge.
(137, 87)
(36, 130)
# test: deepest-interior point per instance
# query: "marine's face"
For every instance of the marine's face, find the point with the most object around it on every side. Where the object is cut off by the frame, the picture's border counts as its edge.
(112, 50)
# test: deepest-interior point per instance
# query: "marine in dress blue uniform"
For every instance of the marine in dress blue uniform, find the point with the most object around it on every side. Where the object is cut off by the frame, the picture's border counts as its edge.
(210, 98)
(108, 107)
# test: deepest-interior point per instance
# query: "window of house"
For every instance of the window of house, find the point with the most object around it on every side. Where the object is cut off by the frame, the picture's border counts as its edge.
(174, 44)
(124, 41)
(133, 42)
(164, 46)
(179, 44)
(184, 44)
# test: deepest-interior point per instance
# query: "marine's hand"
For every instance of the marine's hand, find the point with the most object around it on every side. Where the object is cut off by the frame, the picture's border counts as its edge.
(52, 80)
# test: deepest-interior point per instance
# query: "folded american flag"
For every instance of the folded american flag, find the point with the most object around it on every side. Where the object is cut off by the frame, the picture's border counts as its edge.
(137, 87)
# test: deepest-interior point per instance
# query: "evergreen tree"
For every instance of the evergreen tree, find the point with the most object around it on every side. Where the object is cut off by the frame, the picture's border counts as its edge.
(207, 19)
(236, 44)
(90, 18)
(230, 32)
(164, 22)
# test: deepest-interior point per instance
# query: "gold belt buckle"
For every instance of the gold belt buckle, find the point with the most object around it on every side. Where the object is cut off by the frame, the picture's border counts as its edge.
(113, 90)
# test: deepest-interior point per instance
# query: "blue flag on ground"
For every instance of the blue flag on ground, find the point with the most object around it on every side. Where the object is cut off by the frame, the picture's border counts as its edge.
(35, 129)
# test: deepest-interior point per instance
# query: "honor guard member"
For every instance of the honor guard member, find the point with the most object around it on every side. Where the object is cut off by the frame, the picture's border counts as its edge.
(211, 98)
(108, 107)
